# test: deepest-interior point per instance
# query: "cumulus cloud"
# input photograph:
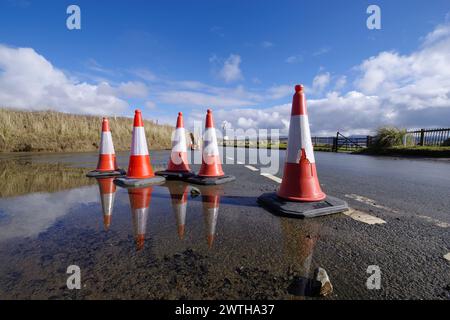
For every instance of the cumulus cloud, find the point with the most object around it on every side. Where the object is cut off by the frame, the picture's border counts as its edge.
(29, 81)
(320, 82)
(231, 69)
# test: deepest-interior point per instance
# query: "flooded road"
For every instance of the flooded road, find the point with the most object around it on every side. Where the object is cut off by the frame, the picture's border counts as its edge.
(180, 241)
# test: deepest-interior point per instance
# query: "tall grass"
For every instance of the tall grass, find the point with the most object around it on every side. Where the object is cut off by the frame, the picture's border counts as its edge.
(388, 137)
(57, 132)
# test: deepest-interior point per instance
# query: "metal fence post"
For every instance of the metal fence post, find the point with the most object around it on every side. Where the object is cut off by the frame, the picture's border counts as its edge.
(422, 137)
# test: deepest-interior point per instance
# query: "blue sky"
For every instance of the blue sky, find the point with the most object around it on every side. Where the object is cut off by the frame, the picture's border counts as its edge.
(241, 58)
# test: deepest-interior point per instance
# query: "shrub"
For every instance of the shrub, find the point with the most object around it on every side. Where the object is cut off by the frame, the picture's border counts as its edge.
(388, 137)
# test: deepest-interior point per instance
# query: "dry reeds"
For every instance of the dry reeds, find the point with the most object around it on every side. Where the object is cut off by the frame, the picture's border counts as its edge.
(61, 132)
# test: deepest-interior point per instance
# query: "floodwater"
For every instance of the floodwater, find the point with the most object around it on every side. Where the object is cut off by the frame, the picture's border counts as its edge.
(163, 242)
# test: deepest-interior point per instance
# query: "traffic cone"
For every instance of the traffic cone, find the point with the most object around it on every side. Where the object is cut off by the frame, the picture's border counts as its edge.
(211, 164)
(211, 170)
(178, 166)
(107, 163)
(140, 172)
(107, 194)
(211, 201)
(300, 191)
(140, 199)
(300, 181)
(179, 197)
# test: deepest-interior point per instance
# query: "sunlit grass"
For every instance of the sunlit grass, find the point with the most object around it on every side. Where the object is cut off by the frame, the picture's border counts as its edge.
(56, 131)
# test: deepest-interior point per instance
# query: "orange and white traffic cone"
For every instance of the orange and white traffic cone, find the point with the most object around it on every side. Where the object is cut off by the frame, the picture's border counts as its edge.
(179, 196)
(140, 172)
(178, 166)
(107, 194)
(300, 189)
(300, 181)
(211, 172)
(211, 201)
(107, 163)
(140, 199)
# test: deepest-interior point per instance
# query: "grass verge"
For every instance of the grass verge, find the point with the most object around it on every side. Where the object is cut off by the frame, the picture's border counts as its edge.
(51, 131)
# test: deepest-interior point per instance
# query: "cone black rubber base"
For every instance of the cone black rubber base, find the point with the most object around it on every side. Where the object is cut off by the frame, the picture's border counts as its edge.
(282, 207)
(104, 174)
(135, 183)
(210, 181)
(171, 175)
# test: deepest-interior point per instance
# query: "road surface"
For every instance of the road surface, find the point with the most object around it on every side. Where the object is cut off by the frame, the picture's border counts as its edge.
(399, 223)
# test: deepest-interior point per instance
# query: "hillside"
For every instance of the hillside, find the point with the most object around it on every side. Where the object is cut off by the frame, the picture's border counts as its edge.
(51, 131)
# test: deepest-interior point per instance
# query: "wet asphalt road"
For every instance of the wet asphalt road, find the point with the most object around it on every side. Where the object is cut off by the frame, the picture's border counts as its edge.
(255, 255)
(412, 196)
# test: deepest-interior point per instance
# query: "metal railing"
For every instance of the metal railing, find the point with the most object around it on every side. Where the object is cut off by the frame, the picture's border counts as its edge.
(427, 137)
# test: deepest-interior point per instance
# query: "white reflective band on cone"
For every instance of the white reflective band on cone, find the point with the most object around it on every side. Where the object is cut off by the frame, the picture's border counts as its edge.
(141, 220)
(211, 220)
(108, 202)
(180, 211)
(299, 138)
(210, 143)
(138, 142)
(179, 141)
(106, 144)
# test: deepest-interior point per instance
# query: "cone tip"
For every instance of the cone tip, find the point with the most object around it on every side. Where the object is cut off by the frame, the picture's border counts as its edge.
(180, 114)
(137, 111)
(299, 88)
(209, 111)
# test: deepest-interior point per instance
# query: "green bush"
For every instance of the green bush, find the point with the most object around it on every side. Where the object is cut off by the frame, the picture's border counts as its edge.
(388, 137)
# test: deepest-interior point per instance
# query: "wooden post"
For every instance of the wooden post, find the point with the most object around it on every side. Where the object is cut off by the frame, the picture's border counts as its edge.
(422, 137)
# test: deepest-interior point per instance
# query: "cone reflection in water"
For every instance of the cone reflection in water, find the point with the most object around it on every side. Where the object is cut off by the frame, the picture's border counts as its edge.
(179, 197)
(211, 201)
(178, 161)
(211, 164)
(107, 157)
(107, 194)
(300, 181)
(140, 199)
(299, 241)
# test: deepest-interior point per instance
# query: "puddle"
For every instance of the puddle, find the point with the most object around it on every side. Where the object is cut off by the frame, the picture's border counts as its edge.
(163, 242)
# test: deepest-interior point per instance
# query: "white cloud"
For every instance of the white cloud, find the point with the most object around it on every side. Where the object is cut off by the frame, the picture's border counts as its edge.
(200, 99)
(29, 81)
(231, 69)
(320, 82)
(150, 105)
(321, 51)
(133, 89)
(340, 83)
(294, 59)
(280, 91)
